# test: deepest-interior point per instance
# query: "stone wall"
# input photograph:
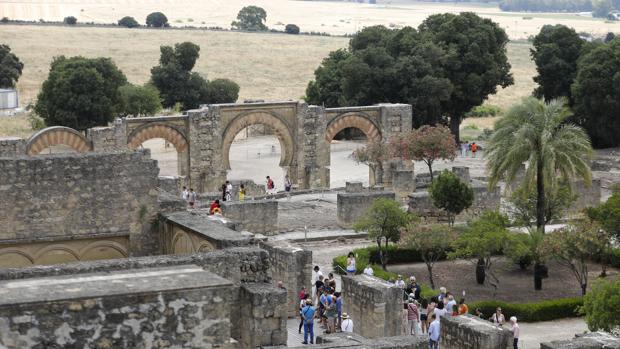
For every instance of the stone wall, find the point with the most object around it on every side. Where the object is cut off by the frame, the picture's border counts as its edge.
(353, 341)
(469, 332)
(174, 307)
(12, 146)
(293, 266)
(403, 183)
(69, 196)
(374, 305)
(171, 184)
(587, 195)
(352, 206)
(262, 320)
(256, 216)
(594, 340)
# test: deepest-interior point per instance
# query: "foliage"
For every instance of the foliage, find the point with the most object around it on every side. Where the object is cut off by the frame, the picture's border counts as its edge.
(157, 20)
(597, 94)
(428, 143)
(608, 214)
(600, 306)
(36, 122)
(601, 8)
(373, 155)
(533, 312)
(556, 51)
(574, 246)
(222, 91)
(483, 239)
(80, 92)
(483, 111)
(546, 6)
(558, 198)
(138, 100)
(450, 194)
(525, 248)
(251, 18)
(291, 29)
(383, 222)
(443, 69)
(536, 132)
(10, 67)
(70, 20)
(128, 22)
(431, 241)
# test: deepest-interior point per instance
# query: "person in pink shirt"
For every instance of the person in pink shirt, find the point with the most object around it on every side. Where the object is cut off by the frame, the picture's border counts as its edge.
(515, 332)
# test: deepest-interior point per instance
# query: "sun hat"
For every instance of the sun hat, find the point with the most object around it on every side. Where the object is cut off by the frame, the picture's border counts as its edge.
(345, 315)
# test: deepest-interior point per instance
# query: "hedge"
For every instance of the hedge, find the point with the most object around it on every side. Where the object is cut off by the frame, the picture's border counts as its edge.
(532, 312)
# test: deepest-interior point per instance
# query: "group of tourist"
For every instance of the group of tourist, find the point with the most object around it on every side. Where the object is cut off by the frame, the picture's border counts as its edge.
(467, 147)
(189, 195)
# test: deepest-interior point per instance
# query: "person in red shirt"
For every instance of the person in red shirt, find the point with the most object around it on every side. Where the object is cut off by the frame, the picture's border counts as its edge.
(474, 148)
(215, 207)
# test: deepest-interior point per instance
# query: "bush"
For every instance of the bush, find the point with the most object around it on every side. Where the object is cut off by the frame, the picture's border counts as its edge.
(4, 20)
(222, 91)
(291, 29)
(601, 307)
(128, 22)
(157, 20)
(533, 312)
(483, 111)
(70, 20)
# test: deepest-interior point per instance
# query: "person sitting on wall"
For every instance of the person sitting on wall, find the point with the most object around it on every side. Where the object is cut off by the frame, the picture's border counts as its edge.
(215, 207)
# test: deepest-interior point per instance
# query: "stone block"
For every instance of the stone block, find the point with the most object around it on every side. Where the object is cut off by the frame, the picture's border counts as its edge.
(403, 183)
(12, 146)
(469, 332)
(352, 206)
(354, 187)
(171, 184)
(462, 173)
(594, 340)
(256, 216)
(262, 320)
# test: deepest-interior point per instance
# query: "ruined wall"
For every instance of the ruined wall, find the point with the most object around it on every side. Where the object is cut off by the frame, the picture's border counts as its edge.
(594, 340)
(470, 332)
(314, 158)
(587, 195)
(374, 305)
(293, 266)
(70, 196)
(12, 146)
(173, 307)
(256, 216)
(352, 206)
(262, 320)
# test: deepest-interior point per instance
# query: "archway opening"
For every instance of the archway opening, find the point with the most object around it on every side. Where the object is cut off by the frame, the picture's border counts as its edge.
(57, 149)
(166, 155)
(342, 167)
(255, 154)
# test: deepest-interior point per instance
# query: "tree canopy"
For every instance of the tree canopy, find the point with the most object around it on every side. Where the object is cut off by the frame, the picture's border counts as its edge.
(10, 67)
(433, 242)
(372, 155)
(251, 18)
(157, 20)
(70, 20)
(128, 22)
(450, 194)
(546, 6)
(608, 214)
(138, 100)
(80, 92)
(222, 91)
(600, 306)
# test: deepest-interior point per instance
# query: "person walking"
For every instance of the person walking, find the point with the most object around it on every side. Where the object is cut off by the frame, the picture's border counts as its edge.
(347, 324)
(433, 333)
(351, 264)
(185, 194)
(515, 332)
(192, 197)
(241, 192)
(287, 183)
(307, 313)
(302, 304)
(270, 186)
(413, 316)
(228, 191)
(474, 149)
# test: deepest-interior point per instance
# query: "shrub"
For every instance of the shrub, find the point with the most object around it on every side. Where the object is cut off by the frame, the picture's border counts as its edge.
(450, 194)
(128, 22)
(533, 312)
(222, 91)
(157, 20)
(601, 307)
(4, 20)
(482, 111)
(70, 20)
(291, 29)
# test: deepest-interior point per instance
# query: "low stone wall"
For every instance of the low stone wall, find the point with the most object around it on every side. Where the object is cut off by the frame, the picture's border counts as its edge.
(171, 184)
(172, 307)
(374, 305)
(293, 266)
(256, 216)
(352, 206)
(594, 340)
(469, 332)
(353, 341)
(12, 146)
(262, 319)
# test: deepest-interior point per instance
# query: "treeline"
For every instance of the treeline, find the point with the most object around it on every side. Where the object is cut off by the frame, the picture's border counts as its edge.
(546, 5)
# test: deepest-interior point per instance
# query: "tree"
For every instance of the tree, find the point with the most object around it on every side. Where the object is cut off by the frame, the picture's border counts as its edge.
(431, 241)
(222, 91)
(70, 20)
(574, 246)
(477, 63)
(428, 144)
(10, 67)
(536, 132)
(597, 94)
(608, 214)
(483, 239)
(128, 22)
(373, 155)
(251, 18)
(558, 198)
(80, 92)
(450, 194)
(157, 20)
(601, 8)
(556, 51)
(291, 29)
(600, 306)
(138, 100)
(525, 249)
(383, 222)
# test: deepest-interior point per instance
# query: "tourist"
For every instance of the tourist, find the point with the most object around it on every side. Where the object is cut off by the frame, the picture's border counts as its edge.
(318, 287)
(464, 147)
(433, 332)
(368, 270)
(331, 312)
(185, 194)
(322, 302)
(455, 310)
(463, 308)
(474, 149)
(351, 264)
(413, 316)
(223, 189)
(413, 289)
(317, 273)
(228, 192)
(331, 281)
(215, 207)
(192, 197)
(439, 310)
(399, 282)
(307, 313)
(515, 332)
(478, 313)
(450, 305)
(347, 324)
(241, 192)
(270, 186)
(339, 309)
(302, 293)
(442, 294)
(424, 315)
(498, 318)
(302, 303)
(287, 183)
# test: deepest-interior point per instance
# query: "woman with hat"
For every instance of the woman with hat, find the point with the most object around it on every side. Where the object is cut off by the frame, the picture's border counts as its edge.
(347, 323)
(413, 316)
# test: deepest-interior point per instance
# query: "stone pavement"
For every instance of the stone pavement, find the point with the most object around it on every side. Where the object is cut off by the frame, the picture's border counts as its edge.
(319, 235)
(294, 337)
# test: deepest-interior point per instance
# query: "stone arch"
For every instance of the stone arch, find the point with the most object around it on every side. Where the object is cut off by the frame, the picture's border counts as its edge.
(14, 258)
(279, 127)
(356, 120)
(103, 250)
(57, 135)
(56, 254)
(158, 130)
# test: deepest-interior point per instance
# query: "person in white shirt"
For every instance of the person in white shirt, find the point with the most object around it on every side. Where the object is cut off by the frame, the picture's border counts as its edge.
(450, 305)
(347, 323)
(433, 333)
(368, 270)
(400, 282)
(515, 332)
(439, 310)
(498, 318)
(185, 194)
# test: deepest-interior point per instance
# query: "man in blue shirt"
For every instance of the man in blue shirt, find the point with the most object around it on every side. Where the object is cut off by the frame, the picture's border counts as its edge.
(433, 333)
(307, 313)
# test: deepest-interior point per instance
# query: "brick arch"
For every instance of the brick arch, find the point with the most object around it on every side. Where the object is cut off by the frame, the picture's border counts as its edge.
(55, 135)
(352, 120)
(157, 130)
(279, 127)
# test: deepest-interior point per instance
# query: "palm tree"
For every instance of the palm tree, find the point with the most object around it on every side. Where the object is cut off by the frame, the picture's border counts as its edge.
(536, 132)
